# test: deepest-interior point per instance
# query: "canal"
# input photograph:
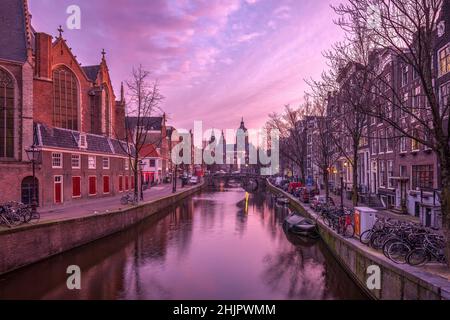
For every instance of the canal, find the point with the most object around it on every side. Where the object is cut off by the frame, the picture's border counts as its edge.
(214, 245)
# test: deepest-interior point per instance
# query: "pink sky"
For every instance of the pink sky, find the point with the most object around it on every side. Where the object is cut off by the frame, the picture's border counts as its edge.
(216, 60)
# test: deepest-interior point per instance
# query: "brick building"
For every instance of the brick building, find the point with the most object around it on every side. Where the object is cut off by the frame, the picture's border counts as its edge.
(69, 112)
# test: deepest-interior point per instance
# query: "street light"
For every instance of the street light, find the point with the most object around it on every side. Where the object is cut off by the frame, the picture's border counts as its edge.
(141, 167)
(34, 155)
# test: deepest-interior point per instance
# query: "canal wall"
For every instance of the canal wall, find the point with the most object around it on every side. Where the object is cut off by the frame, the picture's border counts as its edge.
(31, 243)
(398, 282)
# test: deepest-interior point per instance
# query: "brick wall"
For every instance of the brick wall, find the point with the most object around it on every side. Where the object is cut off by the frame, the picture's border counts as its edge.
(46, 175)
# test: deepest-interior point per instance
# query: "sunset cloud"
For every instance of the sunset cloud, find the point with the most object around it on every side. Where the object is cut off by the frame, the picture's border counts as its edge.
(216, 60)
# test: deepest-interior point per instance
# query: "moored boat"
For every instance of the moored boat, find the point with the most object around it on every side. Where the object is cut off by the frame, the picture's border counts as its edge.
(301, 226)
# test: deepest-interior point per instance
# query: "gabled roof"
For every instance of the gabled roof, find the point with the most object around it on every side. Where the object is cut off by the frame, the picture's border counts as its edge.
(150, 123)
(69, 140)
(91, 72)
(13, 30)
(149, 151)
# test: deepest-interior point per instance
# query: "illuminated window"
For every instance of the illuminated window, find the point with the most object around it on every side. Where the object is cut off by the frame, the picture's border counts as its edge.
(444, 60)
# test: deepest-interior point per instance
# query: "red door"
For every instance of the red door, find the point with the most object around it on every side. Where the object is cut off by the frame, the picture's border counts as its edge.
(58, 189)
(120, 183)
(76, 187)
(105, 184)
(92, 186)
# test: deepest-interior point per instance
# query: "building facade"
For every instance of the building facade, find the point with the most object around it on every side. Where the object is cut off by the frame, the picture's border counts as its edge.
(69, 112)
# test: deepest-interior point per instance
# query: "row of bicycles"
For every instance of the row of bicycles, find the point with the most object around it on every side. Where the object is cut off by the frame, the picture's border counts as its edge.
(337, 218)
(402, 242)
(13, 214)
(405, 242)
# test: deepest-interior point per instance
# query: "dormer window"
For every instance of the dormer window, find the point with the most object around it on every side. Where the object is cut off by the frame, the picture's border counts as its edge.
(83, 142)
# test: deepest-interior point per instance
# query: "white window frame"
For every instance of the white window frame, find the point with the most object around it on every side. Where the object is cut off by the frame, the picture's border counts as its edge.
(403, 144)
(413, 142)
(83, 141)
(446, 47)
(404, 81)
(55, 156)
(108, 163)
(92, 165)
(75, 156)
(381, 173)
(390, 172)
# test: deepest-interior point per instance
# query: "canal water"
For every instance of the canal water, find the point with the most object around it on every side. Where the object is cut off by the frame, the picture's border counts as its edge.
(214, 245)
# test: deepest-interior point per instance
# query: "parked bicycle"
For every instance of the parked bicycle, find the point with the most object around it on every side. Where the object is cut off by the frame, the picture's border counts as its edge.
(16, 213)
(405, 242)
(128, 199)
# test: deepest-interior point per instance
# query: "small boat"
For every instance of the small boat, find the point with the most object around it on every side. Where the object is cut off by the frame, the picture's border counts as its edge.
(283, 201)
(301, 226)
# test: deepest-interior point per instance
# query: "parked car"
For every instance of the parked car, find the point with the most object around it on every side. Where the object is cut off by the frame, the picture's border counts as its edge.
(294, 185)
(193, 180)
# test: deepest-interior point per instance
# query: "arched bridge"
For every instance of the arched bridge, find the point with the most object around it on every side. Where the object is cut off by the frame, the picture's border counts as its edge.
(250, 182)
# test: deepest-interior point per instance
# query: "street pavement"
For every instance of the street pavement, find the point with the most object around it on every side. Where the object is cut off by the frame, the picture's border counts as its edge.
(88, 207)
(380, 213)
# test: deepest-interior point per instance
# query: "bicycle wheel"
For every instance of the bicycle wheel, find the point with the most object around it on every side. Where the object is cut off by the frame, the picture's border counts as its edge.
(26, 215)
(387, 244)
(377, 240)
(349, 231)
(365, 237)
(35, 217)
(124, 200)
(417, 257)
(398, 251)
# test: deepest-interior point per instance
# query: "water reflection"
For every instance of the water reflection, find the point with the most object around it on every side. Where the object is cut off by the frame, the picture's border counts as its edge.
(208, 247)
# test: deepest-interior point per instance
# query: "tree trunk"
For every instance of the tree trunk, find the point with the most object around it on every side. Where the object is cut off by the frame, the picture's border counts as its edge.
(325, 181)
(136, 177)
(445, 200)
(355, 179)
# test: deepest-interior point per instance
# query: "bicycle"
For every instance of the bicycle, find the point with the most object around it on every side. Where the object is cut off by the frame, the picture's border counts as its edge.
(432, 250)
(128, 199)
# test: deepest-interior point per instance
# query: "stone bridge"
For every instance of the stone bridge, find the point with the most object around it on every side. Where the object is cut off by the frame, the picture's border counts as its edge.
(250, 182)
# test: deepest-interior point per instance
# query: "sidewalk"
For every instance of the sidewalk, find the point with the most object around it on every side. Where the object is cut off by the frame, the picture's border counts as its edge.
(88, 207)
(380, 213)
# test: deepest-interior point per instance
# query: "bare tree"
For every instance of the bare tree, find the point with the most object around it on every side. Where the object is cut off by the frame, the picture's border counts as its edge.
(324, 152)
(292, 136)
(407, 28)
(346, 82)
(144, 101)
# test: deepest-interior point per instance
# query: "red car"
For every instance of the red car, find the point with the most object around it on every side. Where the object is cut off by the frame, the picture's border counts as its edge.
(293, 186)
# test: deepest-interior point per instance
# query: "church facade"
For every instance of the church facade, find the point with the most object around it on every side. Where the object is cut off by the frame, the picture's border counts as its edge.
(67, 111)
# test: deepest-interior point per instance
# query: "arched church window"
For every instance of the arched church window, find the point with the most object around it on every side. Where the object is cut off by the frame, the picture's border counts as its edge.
(6, 115)
(65, 102)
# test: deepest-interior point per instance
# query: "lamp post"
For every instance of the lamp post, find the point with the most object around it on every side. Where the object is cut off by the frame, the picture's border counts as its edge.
(141, 167)
(34, 155)
(172, 168)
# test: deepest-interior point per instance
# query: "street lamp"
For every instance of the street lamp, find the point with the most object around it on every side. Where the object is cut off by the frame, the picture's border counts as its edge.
(34, 155)
(141, 167)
